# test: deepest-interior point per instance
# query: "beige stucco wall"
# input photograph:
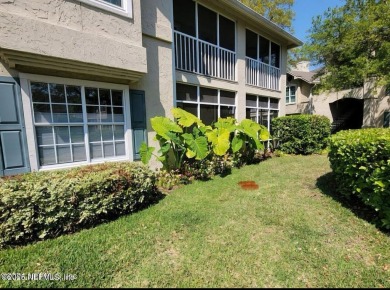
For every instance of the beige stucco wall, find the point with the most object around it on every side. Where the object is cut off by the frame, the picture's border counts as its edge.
(75, 31)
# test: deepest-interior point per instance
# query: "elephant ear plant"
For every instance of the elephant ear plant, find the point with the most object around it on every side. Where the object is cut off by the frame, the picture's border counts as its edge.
(187, 138)
(177, 140)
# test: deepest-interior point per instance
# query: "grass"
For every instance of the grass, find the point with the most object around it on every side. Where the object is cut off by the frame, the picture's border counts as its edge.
(290, 232)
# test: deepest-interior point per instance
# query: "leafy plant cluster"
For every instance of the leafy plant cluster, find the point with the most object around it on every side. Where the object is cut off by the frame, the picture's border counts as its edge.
(37, 206)
(195, 150)
(301, 134)
(360, 160)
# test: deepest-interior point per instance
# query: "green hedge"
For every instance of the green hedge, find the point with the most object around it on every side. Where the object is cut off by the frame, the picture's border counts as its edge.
(360, 160)
(37, 206)
(301, 134)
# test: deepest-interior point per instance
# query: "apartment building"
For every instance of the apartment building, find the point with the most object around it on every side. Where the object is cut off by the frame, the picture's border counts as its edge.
(352, 108)
(80, 79)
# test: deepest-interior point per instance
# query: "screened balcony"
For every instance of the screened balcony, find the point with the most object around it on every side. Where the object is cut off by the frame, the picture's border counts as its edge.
(205, 41)
(262, 62)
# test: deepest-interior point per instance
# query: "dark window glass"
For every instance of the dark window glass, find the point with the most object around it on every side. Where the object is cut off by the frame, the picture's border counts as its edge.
(227, 35)
(251, 101)
(251, 44)
(275, 55)
(227, 98)
(186, 93)
(264, 50)
(208, 114)
(208, 95)
(184, 16)
(207, 24)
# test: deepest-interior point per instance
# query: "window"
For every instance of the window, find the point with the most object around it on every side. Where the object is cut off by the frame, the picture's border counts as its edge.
(121, 7)
(386, 121)
(290, 94)
(262, 49)
(262, 110)
(206, 103)
(76, 123)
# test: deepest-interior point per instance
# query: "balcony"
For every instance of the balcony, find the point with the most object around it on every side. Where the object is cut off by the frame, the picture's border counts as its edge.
(201, 57)
(262, 75)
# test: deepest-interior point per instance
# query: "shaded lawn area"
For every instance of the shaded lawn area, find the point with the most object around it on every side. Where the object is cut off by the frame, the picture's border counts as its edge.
(287, 233)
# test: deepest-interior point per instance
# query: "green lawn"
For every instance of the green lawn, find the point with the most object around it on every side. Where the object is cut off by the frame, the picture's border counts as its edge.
(288, 233)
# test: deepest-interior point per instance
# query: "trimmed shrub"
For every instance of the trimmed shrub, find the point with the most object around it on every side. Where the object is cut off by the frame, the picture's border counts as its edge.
(301, 134)
(360, 160)
(38, 206)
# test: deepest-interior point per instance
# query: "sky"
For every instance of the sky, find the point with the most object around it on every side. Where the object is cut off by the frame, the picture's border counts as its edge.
(305, 10)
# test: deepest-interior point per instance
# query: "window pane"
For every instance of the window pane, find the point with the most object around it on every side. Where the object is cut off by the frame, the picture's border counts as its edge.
(96, 150)
(208, 114)
(120, 148)
(62, 135)
(273, 115)
(91, 96)
(274, 103)
(44, 135)
(184, 16)
(107, 133)
(57, 93)
(79, 153)
(191, 108)
(105, 114)
(119, 132)
(251, 44)
(263, 102)
(115, 2)
(186, 93)
(263, 118)
(40, 92)
(47, 156)
(264, 50)
(94, 133)
(77, 134)
(292, 99)
(108, 149)
(118, 114)
(93, 114)
(75, 113)
(73, 94)
(251, 114)
(208, 95)
(227, 111)
(275, 55)
(117, 98)
(59, 114)
(227, 98)
(207, 24)
(105, 97)
(227, 33)
(64, 155)
(251, 101)
(42, 113)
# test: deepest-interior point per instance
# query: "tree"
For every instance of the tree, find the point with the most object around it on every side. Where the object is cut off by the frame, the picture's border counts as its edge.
(278, 11)
(352, 43)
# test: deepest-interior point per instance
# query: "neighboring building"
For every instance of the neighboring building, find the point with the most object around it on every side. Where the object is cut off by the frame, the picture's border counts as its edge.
(80, 79)
(347, 109)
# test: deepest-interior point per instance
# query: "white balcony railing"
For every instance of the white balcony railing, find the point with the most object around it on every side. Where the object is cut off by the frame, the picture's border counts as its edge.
(262, 75)
(198, 56)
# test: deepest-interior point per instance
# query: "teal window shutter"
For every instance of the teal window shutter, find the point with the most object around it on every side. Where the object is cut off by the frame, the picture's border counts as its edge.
(138, 120)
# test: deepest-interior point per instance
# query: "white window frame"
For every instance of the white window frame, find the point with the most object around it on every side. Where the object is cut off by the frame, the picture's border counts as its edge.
(289, 95)
(126, 9)
(199, 103)
(268, 108)
(26, 79)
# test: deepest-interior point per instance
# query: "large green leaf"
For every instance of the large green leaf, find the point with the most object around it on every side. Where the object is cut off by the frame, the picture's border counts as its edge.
(197, 146)
(185, 118)
(237, 143)
(251, 129)
(219, 139)
(228, 123)
(163, 125)
(146, 153)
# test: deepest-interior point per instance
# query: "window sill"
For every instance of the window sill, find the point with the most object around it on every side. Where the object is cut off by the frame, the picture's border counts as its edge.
(290, 104)
(122, 11)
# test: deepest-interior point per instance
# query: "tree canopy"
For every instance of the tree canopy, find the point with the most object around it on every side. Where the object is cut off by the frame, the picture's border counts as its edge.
(352, 44)
(278, 11)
